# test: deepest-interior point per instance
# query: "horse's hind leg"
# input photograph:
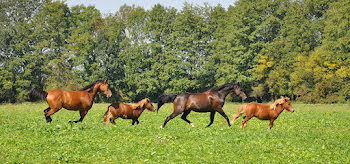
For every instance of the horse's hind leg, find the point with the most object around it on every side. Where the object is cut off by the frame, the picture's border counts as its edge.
(50, 112)
(113, 120)
(241, 110)
(224, 115)
(212, 115)
(135, 120)
(184, 115)
(244, 121)
(271, 123)
(173, 115)
(48, 118)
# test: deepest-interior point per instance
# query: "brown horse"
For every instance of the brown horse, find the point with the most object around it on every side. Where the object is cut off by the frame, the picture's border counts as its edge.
(127, 111)
(81, 100)
(262, 111)
(210, 101)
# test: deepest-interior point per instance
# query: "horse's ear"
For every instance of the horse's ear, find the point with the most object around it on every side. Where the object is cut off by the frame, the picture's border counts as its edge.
(286, 99)
(105, 81)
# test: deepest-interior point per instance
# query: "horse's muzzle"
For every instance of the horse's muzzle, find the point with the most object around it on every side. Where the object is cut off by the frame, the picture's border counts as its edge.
(292, 111)
(109, 95)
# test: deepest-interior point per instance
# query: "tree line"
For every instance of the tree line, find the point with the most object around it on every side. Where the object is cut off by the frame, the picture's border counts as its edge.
(295, 48)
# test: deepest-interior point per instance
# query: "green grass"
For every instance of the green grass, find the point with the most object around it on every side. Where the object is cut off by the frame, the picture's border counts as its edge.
(314, 133)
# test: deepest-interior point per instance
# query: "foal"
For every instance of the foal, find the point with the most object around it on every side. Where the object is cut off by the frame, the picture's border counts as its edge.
(127, 111)
(262, 111)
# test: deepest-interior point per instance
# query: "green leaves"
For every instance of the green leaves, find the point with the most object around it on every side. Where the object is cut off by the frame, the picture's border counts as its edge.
(294, 48)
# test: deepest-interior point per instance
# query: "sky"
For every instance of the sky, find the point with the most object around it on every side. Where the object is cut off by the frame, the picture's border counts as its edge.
(111, 6)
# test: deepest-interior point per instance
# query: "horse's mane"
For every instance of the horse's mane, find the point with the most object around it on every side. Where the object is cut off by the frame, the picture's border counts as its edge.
(279, 101)
(218, 88)
(90, 86)
(139, 104)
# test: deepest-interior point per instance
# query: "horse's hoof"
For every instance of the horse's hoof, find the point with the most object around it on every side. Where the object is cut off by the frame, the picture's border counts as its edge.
(192, 125)
(161, 126)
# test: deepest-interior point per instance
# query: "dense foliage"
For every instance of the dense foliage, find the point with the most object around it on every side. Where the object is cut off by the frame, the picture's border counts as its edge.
(296, 48)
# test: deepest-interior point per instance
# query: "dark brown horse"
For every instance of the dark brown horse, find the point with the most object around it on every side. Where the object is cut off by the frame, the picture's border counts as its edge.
(81, 100)
(210, 101)
(262, 111)
(127, 111)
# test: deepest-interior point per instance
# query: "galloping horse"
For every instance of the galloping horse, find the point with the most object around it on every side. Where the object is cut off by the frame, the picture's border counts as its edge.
(165, 98)
(210, 101)
(81, 100)
(127, 111)
(262, 111)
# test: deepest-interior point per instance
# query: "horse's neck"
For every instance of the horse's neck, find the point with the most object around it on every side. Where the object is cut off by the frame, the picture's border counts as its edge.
(279, 109)
(223, 93)
(94, 91)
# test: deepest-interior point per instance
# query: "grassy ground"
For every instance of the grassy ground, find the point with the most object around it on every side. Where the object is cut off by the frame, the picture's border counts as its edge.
(314, 133)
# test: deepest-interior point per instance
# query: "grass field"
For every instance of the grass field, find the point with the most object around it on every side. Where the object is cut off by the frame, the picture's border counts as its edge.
(313, 133)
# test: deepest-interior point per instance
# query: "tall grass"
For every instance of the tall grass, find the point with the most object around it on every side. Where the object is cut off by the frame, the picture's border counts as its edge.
(314, 133)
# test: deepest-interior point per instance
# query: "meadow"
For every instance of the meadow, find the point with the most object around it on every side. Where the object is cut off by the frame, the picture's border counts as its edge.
(313, 133)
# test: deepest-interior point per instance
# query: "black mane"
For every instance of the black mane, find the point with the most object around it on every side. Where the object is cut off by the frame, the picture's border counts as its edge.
(218, 88)
(91, 86)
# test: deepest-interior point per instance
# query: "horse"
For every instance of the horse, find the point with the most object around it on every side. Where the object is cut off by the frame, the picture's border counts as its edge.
(262, 111)
(165, 98)
(127, 111)
(81, 100)
(210, 101)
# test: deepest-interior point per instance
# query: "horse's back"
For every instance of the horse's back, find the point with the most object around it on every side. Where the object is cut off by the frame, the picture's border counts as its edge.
(259, 110)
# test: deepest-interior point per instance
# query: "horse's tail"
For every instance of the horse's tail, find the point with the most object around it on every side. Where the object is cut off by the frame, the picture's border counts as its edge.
(36, 94)
(241, 110)
(165, 98)
(107, 115)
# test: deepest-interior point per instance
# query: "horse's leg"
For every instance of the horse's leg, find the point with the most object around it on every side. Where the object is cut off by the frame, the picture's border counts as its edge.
(173, 115)
(212, 114)
(48, 118)
(49, 113)
(224, 115)
(184, 115)
(82, 115)
(244, 121)
(113, 120)
(241, 110)
(137, 121)
(271, 123)
(133, 121)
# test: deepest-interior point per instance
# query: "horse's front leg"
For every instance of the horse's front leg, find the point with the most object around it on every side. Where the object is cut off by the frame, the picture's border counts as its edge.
(82, 115)
(271, 123)
(224, 115)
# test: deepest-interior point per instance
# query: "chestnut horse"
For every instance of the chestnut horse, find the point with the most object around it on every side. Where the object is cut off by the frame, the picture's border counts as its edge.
(81, 100)
(210, 101)
(127, 111)
(262, 111)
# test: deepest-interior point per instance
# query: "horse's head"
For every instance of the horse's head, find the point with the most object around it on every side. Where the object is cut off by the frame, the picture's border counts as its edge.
(104, 88)
(237, 89)
(285, 102)
(146, 104)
